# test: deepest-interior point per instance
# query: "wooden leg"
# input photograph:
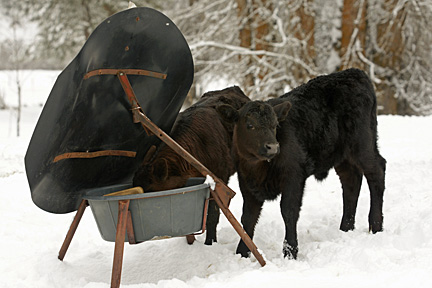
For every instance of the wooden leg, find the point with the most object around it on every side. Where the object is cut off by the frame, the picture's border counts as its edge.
(237, 226)
(190, 239)
(119, 243)
(72, 229)
(129, 229)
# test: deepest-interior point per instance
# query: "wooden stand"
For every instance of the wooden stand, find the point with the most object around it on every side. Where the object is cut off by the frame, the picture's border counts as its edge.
(222, 194)
(72, 229)
(124, 226)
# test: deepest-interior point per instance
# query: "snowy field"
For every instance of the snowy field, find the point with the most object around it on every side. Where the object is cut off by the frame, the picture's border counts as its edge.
(401, 256)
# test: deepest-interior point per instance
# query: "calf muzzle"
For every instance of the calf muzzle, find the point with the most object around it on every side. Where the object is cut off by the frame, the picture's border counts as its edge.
(269, 150)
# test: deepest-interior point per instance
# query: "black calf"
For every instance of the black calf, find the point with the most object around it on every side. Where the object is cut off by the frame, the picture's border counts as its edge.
(328, 122)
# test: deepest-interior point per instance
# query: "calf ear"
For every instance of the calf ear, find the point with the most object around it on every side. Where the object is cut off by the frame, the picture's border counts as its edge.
(160, 169)
(150, 152)
(282, 110)
(228, 113)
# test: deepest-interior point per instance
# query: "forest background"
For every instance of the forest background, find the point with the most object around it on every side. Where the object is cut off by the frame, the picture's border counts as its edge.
(267, 47)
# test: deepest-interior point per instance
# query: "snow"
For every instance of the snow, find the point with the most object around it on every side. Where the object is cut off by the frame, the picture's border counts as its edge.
(36, 86)
(210, 181)
(401, 256)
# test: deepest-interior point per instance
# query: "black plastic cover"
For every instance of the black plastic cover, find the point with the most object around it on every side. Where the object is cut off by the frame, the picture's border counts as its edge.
(94, 114)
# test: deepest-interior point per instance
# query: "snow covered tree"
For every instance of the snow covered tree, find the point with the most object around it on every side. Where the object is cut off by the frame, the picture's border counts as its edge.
(327, 34)
(391, 40)
(17, 51)
(267, 46)
(270, 46)
(248, 42)
(353, 33)
(65, 25)
(401, 52)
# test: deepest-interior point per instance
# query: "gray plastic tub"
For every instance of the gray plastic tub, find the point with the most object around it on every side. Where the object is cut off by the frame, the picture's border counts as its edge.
(155, 215)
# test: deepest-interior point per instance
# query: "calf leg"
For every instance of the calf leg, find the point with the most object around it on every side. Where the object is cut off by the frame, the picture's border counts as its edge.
(351, 179)
(212, 221)
(251, 211)
(375, 175)
(291, 202)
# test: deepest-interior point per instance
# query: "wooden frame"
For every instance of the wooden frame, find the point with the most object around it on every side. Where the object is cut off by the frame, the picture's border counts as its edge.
(124, 227)
(221, 193)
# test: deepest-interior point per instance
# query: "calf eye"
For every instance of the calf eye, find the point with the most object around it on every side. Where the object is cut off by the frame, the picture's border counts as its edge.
(250, 126)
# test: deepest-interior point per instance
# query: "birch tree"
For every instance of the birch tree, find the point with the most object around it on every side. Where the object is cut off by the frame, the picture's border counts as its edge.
(18, 51)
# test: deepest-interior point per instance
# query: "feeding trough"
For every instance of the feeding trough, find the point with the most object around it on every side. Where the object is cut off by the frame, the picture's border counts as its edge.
(114, 101)
(155, 215)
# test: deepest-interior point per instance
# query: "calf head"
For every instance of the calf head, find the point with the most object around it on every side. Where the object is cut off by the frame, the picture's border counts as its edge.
(254, 137)
(159, 173)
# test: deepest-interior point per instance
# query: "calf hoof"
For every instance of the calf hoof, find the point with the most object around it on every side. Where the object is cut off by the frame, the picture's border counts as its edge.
(347, 224)
(347, 227)
(375, 227)
(289, 251)
(243, 250)
(376, 223)
(210, 237)
(209, 242)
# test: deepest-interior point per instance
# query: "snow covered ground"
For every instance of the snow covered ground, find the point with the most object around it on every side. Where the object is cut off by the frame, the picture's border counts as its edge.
(401, 256)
